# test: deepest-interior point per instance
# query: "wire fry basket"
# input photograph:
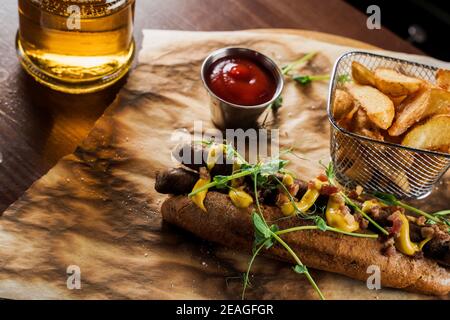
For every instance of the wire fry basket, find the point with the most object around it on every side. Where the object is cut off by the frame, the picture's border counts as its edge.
(378, 165)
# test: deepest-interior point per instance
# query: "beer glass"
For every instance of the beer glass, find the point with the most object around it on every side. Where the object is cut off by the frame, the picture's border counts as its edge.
(76, 46)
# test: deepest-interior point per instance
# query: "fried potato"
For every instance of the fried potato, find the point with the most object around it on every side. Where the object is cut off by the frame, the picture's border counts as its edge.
(411, 111)
(432, 135)
(347, 121)
(343, 104)
(359, 171)
(392, 173)
(396, 84)
(426, 103)
(379, 108)
(362, 75)
(439, 102)
(363, 126)
(398, 177)
(443, 79)
(398, 100)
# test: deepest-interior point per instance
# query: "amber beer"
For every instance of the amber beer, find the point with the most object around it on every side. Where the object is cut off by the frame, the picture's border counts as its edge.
(76, 46)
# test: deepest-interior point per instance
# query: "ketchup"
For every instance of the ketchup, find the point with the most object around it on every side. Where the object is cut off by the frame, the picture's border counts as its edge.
(241, 81)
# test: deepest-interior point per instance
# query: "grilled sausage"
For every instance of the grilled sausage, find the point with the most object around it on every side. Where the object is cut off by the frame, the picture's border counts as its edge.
(225, 224)
(175, 181)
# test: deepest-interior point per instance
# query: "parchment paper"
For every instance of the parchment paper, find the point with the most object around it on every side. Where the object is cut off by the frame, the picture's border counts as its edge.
(97, 209)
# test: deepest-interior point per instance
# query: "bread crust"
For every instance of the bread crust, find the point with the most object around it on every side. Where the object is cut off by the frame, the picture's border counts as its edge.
(350, 256)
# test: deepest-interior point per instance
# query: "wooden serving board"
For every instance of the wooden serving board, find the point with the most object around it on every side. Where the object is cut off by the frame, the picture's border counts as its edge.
(97, 208)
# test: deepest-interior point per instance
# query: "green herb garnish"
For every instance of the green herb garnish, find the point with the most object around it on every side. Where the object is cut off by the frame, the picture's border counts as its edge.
(344, 78)
(286, 69)
(277, 104)
(391, 200)
(265, 236)
(250, 264)
(441, 213)
(264, 175)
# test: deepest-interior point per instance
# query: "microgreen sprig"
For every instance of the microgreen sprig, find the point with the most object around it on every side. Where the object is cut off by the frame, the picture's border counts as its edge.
(278, 103)
(307, 79)
(300, 267)
(437, 217)
(344, 78)
(442, 213)
(264, 237)
(222, 181)
(327, 228)
(391, 200)
(264, 234)
(286, 69)
(250, 265)
(320, 223)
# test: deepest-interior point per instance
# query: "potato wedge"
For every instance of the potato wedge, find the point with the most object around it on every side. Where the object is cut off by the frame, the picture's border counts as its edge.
(410, 112)
(363, 126)
(343, 104)
(396, 84)
(432, 135)
(347, 121)
(398, 100)
(443, 79)
(359, 171)
(379, 108)
(387, 177)
(362, 75)
(439, 102)
(426, 103)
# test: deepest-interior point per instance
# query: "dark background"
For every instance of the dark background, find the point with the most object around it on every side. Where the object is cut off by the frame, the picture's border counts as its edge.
(425, 24)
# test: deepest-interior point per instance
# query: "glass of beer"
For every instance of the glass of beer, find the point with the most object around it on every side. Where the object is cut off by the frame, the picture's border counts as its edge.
(76, 46)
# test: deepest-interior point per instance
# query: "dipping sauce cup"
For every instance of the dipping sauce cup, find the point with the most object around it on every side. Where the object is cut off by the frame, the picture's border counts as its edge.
(241, 83)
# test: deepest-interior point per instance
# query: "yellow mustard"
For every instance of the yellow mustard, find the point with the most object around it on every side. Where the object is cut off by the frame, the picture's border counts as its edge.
(199, 198)
(287, 208)
(240, 198)
(336, 218)
(403, 242)
(369, 204)
(214, 153)
(306, 202)
(288, 180)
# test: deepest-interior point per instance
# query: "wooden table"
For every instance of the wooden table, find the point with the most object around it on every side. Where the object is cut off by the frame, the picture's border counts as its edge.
(38, 126)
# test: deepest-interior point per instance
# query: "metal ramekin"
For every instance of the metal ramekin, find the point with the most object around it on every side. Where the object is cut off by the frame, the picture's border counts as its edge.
(377, 165)
(226, 115)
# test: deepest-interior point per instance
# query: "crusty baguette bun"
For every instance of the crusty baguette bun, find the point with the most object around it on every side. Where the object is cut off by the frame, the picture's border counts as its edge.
(225, 224)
